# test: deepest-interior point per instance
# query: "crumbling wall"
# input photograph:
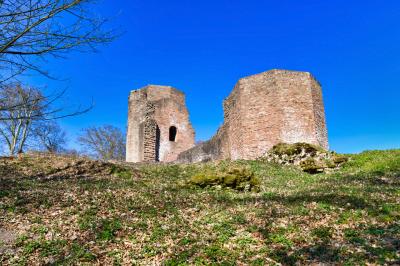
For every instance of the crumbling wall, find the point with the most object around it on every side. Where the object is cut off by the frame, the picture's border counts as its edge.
(151, 141)
(152, 111)
(319, 114)
(263, 110)
(213, 149)
(135, 130)
(232, 132)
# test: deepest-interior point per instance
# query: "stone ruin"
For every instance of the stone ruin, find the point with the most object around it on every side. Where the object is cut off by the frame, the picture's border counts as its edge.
(158, 125)
(277, 106)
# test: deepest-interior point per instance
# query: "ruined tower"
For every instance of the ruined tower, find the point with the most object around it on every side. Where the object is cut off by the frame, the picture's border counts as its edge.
(158, 125)
(263, 110)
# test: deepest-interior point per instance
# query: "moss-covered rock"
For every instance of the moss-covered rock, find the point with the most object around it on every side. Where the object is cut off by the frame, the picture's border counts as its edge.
(310, 158)
(205, 179)
(339, 158)
(312, 166)
(239, 178)
(296, 148)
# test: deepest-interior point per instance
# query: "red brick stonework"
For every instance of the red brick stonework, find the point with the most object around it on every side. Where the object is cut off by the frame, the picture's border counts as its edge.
(158, 125)
(263, 110)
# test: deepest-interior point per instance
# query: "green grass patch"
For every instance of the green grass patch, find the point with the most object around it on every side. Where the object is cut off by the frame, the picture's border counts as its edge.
(347, 217)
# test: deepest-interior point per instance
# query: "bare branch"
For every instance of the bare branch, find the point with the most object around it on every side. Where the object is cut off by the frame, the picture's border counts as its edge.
(105, 142)
(24, 108)
(32, 30)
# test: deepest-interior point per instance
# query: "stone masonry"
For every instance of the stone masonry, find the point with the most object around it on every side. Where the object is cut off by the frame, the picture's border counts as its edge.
(265, 109)
(158, 125)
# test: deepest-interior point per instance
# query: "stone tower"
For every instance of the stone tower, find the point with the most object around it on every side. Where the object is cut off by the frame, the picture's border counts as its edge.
(158, 125)
(264, 110)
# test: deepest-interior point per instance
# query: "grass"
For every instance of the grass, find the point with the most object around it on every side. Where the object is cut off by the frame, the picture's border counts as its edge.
(349, 217)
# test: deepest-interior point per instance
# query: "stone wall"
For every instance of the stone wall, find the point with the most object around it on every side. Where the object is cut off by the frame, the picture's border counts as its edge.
(152, 111)
(319, 115)
(263, 110)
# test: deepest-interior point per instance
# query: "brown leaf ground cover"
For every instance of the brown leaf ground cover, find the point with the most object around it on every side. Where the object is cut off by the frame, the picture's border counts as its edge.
(73, 211)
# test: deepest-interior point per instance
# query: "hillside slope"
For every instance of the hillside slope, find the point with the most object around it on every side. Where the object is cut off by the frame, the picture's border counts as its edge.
(59, 210)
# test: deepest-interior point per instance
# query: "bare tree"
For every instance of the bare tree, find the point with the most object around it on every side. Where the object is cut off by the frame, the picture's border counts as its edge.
(16, 122)
(33, 29)
(50, 136)
(104, 142)
(26, 113)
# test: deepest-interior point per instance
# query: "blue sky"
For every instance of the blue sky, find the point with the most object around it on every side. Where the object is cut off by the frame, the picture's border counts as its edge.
(204, 47)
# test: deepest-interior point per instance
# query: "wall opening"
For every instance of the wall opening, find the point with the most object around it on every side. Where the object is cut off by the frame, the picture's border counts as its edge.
(172, 133)
(158, 134)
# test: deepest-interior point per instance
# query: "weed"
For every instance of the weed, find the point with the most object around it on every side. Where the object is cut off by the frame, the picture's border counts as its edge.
(323, 232)
(121, 172)
(107, 229)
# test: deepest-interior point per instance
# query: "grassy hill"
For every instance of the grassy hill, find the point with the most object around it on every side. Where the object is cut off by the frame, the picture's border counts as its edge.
(60, 210)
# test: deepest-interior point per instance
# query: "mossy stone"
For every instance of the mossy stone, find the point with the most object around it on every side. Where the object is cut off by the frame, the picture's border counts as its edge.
(230, 180)
(311, 166)
(205, 179)
(239, 178)
(339, 159)
(296, 148)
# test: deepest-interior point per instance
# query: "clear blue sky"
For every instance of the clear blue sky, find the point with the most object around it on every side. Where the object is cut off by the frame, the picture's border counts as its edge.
(204, 47)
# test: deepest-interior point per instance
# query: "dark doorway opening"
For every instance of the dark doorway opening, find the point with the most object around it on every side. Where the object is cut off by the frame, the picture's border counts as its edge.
(157, 155)
(172, 133)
